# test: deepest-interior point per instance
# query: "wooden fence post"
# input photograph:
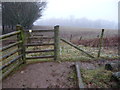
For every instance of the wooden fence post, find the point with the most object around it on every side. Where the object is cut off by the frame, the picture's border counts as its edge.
(56, 41)
(71, 38)
(21, 37)
(79, 40)
(100, 43)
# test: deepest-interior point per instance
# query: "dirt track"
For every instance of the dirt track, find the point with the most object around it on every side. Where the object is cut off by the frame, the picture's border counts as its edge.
(48, 75)
(42, 75)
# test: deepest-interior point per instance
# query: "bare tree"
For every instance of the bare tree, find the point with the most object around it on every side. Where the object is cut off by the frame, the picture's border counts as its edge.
(24, 13)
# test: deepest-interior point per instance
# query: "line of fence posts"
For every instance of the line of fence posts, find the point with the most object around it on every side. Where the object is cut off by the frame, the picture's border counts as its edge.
(21, 36)
(56, 42)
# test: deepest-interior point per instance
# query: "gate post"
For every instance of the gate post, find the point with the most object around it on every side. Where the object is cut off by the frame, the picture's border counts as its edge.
(56, 42)
(21, 37)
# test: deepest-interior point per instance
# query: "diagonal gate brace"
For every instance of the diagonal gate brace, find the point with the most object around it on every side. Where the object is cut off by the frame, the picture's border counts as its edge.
(76, 47)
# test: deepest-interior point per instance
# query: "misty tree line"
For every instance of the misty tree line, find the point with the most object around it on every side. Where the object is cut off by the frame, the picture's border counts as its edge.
(82, 22)
(23, 13)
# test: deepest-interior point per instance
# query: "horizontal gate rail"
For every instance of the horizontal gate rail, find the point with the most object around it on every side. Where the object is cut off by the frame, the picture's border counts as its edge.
(11, 45)
(18, 53)
(37, 37)
(9, 34)
(40, 51)
(52, 30)
(38, 57)
(12, 53)
(11, 69)
(45, 44)
(12, 61)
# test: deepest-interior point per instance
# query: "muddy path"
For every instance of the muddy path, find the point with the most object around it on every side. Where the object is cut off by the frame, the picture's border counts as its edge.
(49, 75)
(42, 75)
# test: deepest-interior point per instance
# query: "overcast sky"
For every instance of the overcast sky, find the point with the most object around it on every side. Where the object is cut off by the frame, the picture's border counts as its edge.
(91, 9)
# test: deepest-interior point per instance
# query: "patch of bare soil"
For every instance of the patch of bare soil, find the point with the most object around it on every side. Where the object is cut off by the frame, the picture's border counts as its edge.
(42, 75)
(95, 64)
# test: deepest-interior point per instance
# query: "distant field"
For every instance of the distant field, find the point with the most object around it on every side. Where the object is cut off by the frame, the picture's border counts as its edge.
(77, 32)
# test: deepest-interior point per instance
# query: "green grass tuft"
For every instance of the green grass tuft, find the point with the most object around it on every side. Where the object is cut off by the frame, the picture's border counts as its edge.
(98, 78)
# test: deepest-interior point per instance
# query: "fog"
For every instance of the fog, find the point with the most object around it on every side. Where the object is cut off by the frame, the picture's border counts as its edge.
(82, 13)
(82, 22)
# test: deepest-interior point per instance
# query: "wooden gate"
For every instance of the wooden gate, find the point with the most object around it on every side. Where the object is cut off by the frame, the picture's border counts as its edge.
(42, 44)
(16, 47)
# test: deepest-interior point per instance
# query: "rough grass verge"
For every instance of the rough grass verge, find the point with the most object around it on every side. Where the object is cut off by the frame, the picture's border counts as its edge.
(98, 78)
